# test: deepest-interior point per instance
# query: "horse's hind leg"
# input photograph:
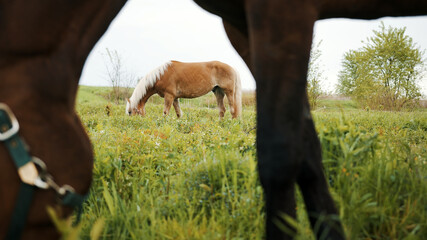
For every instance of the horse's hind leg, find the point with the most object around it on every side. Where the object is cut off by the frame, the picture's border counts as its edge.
(177, 108)
(219, 94)
(320, 207)
(231, 102)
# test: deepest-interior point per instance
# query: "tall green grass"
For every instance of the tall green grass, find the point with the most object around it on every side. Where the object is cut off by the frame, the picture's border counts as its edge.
(376, 165)
(195, 178)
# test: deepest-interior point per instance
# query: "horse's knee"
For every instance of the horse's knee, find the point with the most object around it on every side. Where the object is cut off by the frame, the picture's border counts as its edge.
(312, 158)
(280, 174)
(278, 163)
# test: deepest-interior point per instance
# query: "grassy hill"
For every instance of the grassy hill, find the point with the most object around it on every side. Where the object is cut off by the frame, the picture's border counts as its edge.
(195, 177)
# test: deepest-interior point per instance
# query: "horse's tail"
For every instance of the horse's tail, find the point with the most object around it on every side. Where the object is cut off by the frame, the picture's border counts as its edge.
(238, 94)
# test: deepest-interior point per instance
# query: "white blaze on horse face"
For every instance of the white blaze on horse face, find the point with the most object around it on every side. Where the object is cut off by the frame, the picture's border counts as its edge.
(128, 112)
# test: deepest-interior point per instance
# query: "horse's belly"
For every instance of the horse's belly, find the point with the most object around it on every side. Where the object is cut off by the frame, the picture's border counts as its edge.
(193, 92)
(191, 95)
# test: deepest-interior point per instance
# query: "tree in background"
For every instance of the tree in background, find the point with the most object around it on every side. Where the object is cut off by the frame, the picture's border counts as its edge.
(120, 80)
(314, 76)
(384, 73)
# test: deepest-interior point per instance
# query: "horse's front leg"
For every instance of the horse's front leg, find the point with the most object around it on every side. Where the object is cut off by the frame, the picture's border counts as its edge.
(280, 40)
(141, 110)
(319, 204)
(144, 100)
(177, 108)
(169, 99)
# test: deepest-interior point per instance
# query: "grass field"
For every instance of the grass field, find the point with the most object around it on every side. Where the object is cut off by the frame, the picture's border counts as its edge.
(195, 178)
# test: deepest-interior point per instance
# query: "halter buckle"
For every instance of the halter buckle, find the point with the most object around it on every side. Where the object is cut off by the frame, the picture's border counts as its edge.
(15, 125)
(28, 173)
(31, 176)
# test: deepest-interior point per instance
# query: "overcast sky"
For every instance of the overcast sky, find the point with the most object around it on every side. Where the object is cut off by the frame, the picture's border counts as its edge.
(147, 33)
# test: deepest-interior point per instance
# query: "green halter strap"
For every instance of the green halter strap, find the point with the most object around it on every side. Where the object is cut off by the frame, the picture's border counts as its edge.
(31, 178)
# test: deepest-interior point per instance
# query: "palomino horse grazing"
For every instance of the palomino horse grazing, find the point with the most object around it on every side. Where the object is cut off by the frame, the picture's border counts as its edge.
(175, 80)
(43, 47)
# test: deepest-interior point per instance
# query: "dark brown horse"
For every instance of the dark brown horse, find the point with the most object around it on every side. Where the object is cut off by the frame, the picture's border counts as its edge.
(43, 46)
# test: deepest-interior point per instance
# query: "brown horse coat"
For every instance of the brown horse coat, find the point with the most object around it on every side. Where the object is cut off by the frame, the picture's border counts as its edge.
(43, 46)
(174, 80)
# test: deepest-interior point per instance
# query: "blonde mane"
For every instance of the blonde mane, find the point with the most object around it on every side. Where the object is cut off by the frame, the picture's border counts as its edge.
(148, 81)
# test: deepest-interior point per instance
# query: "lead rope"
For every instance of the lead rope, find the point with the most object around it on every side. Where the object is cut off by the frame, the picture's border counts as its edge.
(31, 178)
